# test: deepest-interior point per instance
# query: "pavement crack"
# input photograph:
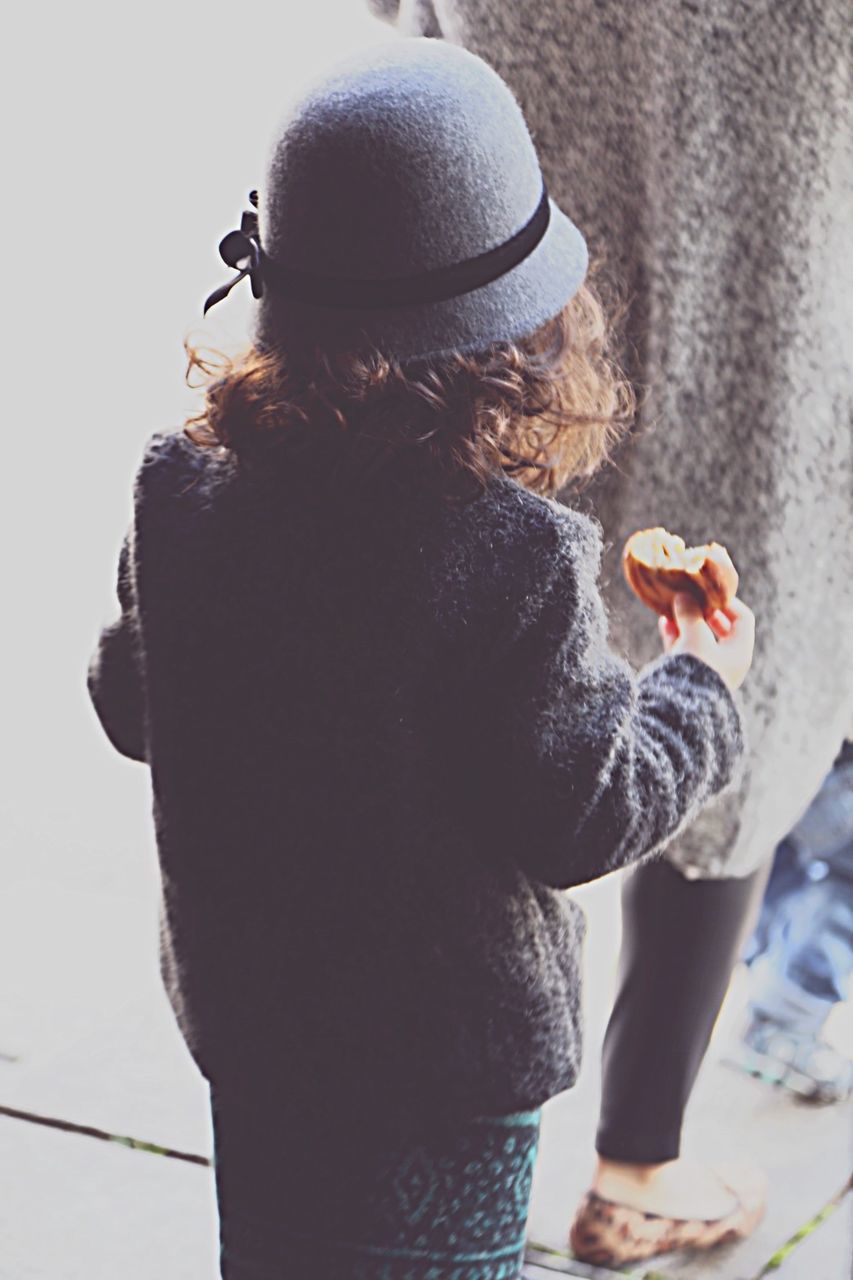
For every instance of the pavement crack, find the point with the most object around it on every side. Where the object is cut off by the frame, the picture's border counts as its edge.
(89, 1131)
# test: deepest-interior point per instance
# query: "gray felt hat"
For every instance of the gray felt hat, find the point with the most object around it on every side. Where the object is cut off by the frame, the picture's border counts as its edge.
(404, 209)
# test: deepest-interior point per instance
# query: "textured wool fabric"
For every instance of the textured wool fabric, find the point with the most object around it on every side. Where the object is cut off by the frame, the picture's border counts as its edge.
(404, 159)
(707, 152)
(431, 1202)
(383, 730)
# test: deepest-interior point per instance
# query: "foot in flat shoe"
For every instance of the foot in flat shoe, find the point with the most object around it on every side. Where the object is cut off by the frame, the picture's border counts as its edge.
(708, 1208)
(676, 1188)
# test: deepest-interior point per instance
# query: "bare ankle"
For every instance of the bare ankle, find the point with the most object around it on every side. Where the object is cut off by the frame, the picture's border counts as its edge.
(629, 1171)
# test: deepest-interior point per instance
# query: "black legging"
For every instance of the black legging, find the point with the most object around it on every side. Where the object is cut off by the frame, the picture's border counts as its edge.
(680, 941)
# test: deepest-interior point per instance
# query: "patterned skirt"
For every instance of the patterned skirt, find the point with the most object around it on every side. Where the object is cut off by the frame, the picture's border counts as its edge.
(434, 1203)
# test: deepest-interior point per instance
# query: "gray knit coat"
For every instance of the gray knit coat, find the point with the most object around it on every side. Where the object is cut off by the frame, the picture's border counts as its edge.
(706, 151)
(383, 732)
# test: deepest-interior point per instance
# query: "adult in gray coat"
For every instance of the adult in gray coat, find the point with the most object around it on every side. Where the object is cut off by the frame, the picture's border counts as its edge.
(705, 150)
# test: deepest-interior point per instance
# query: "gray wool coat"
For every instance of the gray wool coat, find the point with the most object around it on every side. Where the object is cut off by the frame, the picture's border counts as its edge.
(706, 150)
(383, 732)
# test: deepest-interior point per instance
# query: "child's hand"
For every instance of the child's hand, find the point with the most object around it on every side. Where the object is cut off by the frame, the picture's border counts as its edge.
(725, 641)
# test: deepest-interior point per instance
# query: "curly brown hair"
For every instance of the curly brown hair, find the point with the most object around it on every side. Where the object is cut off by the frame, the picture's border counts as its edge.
(548, 409)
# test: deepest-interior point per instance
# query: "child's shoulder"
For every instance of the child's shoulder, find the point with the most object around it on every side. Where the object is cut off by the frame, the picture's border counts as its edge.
(527, 526)
(172, 466)
(503, 553)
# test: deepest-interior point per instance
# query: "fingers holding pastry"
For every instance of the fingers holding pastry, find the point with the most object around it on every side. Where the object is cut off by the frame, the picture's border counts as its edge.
(720, 623)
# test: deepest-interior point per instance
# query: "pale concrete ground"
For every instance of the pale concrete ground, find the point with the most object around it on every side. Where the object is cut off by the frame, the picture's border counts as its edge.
(86, 1035)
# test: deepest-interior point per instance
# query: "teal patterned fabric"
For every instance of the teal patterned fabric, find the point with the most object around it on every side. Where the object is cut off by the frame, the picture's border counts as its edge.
(451, 1206)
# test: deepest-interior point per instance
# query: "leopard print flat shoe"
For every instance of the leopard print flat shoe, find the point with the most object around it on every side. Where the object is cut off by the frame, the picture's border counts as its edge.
(607, 1234)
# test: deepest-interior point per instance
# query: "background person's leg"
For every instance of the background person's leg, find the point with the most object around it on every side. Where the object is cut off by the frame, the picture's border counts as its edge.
(681, 939)
(801, 953)
(786, 877)
(806, 966)
(794, 984)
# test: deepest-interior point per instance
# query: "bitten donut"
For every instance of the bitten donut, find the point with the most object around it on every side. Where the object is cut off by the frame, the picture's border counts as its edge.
(658, 565)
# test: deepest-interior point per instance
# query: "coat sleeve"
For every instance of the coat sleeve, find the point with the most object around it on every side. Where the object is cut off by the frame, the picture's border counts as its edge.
(588, 765)
(116, 671)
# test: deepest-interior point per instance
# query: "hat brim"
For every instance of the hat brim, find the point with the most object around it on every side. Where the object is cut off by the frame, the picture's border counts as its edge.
(507, 309)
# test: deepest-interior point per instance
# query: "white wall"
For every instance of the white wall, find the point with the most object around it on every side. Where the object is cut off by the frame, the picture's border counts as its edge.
(134, 133)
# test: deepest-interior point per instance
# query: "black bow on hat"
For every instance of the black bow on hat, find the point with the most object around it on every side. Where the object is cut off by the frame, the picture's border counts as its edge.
(242, 251)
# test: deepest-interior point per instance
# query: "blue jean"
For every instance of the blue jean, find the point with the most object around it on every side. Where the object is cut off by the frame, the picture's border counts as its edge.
(801, 953)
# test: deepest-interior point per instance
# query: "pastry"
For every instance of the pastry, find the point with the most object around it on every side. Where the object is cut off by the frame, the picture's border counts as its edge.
(658, 565)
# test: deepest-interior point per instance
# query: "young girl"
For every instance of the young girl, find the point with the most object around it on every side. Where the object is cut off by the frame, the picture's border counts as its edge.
(363, 652)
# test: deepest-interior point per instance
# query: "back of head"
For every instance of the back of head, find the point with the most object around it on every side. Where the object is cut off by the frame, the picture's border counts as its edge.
(417, 289)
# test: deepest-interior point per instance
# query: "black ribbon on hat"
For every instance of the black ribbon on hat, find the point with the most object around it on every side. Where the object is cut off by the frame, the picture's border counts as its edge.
(242, 250)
